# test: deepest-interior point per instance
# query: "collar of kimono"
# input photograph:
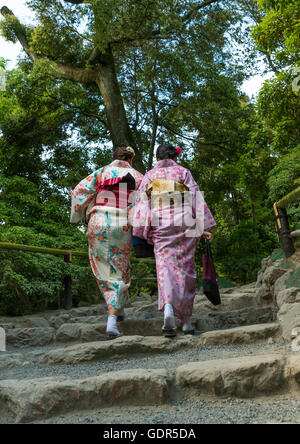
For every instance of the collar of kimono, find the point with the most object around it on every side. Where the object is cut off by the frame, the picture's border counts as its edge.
(121, 164)
(165, 163)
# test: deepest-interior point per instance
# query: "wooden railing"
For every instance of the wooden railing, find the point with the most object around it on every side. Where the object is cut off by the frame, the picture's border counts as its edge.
(282, 221)
(68, 257)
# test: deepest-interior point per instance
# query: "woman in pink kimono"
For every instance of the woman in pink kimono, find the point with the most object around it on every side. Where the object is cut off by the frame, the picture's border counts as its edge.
(102, 200)
(171, 213)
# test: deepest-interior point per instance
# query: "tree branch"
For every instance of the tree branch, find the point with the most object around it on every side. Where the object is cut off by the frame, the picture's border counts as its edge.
(59, 70)
(196, 8)
(75, 2)
(166, 125)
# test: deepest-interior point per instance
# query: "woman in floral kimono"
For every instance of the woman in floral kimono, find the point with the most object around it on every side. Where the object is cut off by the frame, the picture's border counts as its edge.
(102, 200)
(171, 213)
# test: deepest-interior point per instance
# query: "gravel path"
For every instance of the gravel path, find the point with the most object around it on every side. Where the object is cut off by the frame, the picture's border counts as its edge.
(168, 361)
(279, 409)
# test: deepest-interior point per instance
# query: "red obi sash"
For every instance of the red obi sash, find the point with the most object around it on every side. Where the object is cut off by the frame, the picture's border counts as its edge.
(115, 192)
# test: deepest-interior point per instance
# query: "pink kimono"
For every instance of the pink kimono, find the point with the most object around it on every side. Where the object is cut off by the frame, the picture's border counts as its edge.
(174, 236)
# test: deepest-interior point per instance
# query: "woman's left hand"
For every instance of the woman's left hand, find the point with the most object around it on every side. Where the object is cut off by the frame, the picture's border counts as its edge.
(208, 236)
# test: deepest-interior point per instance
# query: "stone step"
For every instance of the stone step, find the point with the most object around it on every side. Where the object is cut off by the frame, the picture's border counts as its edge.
(246, 376)
(96, 332)
(27, 400)
(230, 302)
(51, 318)
(29, 337)
(216, 320)
(241, 335)
(89, 332)
(243, 377)
(124, 347)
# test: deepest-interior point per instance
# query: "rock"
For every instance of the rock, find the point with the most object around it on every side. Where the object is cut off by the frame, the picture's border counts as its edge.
(265, 263)
(228, 290)
(288, 296)
(259, 279)
(11, 361)
(119, 348)
(8, 326)
(292, 372)
(243, 376)
(240, 335)
(29, 337)
(264, 295)
(234, 318)
(152, 308)
(295, 234)
(29, 400)
(88, 320)
(280, 284)
(88, 311)
(272, 274)
(36, 322)
(289, 318)
(80, 333)
(145, 297)
(294, 279)
(248, 288)
(58, 320)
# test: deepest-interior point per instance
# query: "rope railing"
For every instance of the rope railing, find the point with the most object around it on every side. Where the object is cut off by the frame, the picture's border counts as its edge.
(68, 255)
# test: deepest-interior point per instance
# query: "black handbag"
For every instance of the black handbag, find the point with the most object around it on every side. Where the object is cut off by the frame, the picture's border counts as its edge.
(209, 281)
(141, 248)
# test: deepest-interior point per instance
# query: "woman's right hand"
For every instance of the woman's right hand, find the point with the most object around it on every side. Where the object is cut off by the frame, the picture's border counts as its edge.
(208, 236)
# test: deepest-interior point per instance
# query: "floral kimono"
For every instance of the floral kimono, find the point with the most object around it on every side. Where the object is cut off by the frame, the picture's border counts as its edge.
(109, 233)
(174, 226)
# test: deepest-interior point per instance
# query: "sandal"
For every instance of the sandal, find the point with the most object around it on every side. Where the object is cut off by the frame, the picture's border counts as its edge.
(189, 332)
(111, 336)
(169, 332)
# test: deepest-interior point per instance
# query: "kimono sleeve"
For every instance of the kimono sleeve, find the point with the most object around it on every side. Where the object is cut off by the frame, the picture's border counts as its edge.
(140, 217)
(83, 198)
(199, 206)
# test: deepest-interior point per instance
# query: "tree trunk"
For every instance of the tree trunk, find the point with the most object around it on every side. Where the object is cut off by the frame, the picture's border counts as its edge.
(121, 134)
(116, 116)
(284, 233)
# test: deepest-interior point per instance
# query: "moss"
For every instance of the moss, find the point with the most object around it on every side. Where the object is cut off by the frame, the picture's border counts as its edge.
(294, 279)
(277, 254)
(287, 265)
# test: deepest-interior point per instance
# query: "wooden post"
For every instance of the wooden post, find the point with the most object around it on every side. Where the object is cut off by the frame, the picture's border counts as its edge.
(68, 283)
(284, 233)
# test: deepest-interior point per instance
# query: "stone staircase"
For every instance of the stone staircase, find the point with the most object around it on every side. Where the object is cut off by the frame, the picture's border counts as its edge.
(58, 367)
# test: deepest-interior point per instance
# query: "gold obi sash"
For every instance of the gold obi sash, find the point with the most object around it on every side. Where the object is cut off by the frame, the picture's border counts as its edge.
(164, 192)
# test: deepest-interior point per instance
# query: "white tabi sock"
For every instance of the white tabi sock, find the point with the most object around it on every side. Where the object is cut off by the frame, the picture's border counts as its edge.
(111, 326)
(169, 320)
(187, 326)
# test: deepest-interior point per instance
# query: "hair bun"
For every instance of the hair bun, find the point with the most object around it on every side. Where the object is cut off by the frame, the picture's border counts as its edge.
(167, 151)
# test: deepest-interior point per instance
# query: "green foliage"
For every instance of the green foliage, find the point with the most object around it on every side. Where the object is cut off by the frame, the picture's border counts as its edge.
(279, 109)
(282, 178)
(279, 30)
(139, 272)
(239, 254)
(33, 282)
